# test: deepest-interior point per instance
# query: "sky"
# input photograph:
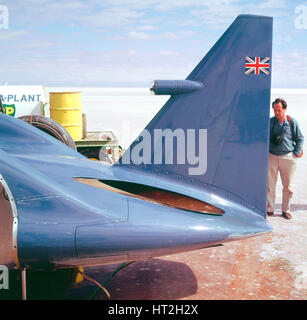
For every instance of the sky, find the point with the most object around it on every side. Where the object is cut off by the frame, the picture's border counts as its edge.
(130, 43)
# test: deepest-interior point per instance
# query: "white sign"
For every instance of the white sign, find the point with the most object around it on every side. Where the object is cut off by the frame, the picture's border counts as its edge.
(23, 100)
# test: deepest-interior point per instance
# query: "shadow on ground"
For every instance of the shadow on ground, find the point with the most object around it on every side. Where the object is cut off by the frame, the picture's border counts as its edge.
(142, 280)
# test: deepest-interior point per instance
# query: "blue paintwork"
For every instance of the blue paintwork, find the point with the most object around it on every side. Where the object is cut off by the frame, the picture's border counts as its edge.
(171, 87)
(234, 108)
(62, 222)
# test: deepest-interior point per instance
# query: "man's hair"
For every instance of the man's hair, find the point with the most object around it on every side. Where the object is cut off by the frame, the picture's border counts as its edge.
(282, 101)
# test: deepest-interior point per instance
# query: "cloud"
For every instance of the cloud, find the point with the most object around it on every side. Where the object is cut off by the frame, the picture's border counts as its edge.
(119, 13)
(219, 14)
(289, 69)
(139, 35)
(169, 53)
(272, 4)
(8, 34)
(169, 35)
(132, 52)
(147, 36)
(110, 17)
(124, 68)
(147, 28)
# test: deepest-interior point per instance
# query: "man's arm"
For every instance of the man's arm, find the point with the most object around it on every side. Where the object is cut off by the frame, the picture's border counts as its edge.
(299, 140)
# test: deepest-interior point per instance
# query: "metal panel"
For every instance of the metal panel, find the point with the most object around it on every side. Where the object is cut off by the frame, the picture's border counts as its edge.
(234, 109)
(63, 221)
(8, 226)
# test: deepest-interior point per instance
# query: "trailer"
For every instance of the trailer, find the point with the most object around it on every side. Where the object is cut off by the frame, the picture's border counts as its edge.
(58, 118)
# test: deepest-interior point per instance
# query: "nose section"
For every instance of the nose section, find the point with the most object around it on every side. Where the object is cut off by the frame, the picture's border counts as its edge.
(242, 231)
(143, 240)
(154, 231)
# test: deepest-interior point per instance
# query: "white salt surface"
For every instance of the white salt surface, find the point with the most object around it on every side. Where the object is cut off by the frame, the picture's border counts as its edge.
(126, 111)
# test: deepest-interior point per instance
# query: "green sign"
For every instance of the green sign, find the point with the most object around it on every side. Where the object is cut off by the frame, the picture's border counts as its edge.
(9, 109)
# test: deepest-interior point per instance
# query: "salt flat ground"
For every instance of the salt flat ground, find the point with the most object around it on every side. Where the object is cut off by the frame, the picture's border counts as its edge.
(269, 267)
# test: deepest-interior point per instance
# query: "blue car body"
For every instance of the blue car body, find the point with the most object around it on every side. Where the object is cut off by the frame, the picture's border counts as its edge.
(63, 210)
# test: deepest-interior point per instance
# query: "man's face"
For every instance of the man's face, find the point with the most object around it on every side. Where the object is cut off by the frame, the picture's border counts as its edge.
(279, 112)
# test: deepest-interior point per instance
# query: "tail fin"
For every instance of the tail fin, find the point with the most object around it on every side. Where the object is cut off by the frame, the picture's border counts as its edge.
(223, 108)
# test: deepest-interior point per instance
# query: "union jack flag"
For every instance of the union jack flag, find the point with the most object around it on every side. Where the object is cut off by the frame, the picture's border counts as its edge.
(257, 65)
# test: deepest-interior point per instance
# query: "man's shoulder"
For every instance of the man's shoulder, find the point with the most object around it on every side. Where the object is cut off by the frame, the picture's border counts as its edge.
(292, 120)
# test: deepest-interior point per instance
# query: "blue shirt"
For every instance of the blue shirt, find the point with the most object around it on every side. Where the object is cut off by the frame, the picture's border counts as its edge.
(292, 139)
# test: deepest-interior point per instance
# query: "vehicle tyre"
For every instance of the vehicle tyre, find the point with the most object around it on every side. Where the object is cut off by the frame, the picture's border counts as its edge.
(51, 127)
(41, 284)
(50, 284)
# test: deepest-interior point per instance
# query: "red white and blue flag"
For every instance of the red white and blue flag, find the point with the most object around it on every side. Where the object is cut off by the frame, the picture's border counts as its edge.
(257, 65)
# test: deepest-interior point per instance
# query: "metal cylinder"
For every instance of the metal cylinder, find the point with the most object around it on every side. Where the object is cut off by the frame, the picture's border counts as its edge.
(66, 109)
(84, 126)
(24, 284)
(172, 87)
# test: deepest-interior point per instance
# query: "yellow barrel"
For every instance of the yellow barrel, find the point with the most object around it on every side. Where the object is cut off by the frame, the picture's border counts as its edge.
(66, 109)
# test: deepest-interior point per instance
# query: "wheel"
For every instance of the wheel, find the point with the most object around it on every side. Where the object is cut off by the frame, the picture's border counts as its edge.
(90, 153)
(50, 284)
(51, 127)
(95, 154)
(41, 284)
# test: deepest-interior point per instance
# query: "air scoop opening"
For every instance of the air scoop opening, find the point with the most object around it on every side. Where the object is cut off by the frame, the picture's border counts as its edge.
(153, 194)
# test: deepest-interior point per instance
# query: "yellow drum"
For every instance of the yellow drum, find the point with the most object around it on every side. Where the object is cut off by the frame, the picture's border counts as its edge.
(66, 109)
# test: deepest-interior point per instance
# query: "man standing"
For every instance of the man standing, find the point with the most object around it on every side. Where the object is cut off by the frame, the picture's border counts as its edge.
(286, 145)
